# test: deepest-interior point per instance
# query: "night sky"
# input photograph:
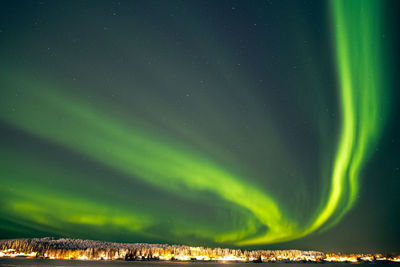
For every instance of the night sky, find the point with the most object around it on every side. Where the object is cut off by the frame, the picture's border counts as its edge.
(250, 124)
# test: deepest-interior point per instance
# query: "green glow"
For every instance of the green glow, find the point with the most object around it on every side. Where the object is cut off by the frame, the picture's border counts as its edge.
(44, 197)
(357, 26)
(169, 166)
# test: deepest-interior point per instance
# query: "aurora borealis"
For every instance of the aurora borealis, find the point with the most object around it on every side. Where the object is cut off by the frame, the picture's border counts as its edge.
(235, 123)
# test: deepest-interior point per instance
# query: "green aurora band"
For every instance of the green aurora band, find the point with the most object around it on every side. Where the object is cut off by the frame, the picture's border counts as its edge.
(357, 26)
(103, 136)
